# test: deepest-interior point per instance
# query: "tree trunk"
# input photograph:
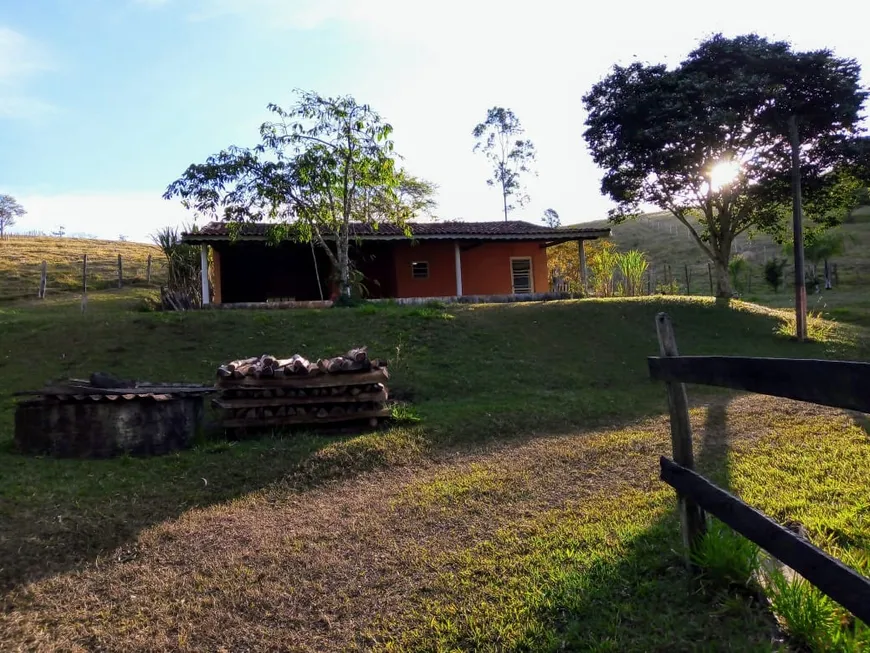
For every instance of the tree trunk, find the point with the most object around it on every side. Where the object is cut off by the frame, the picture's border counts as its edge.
(828, 285)
(723, 279)
(504, 200)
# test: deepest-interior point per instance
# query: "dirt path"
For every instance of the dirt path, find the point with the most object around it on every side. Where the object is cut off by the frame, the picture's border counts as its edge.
(327, 568)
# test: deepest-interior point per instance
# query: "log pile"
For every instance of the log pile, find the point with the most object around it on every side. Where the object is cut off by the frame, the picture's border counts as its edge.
(267, 391)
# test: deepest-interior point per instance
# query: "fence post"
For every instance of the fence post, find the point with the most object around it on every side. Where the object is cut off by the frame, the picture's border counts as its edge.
(120, 272)
(148, 271)
(84, 282)
(693, 522)
(710, 275)
(688, 278)
(42, 280)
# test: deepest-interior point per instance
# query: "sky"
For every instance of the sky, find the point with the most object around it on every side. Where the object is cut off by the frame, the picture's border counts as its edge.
(103, 103)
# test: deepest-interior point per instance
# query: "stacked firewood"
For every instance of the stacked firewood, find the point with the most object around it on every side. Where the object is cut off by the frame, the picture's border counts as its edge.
(356, 360)
(267, 391)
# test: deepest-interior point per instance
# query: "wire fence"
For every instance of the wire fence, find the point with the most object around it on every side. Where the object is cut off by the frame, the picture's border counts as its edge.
(22, 277)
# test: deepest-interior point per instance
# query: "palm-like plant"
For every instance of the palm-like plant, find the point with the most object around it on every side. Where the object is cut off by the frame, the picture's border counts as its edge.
(182, 260)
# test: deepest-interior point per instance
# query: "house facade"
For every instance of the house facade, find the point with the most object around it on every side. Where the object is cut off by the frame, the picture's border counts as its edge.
(439, 260)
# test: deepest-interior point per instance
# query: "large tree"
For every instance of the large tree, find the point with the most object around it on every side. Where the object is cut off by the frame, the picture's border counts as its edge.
(321, 165)
(10, 210)
(708, 141)
(499, 137)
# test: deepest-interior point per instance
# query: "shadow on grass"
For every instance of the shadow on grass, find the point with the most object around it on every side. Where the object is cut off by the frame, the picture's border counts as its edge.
(60, 513)
(647, 599)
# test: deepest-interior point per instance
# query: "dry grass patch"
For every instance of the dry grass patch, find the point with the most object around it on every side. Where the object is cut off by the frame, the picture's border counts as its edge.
(549, 543)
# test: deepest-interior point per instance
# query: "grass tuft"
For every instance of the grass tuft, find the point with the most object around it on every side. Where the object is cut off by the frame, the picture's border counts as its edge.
(725, 557)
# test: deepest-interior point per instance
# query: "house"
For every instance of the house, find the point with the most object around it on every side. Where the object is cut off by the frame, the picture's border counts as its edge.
(441, 259)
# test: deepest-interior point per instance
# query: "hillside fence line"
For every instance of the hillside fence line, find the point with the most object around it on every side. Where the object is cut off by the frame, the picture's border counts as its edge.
(28, 279)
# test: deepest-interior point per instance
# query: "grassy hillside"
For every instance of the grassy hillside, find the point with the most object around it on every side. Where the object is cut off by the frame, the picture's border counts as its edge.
(521, 512)
(21, 259)
(668, 243)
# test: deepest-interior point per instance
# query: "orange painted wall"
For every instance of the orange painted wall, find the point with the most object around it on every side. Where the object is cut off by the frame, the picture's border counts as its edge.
(442, 270)
(486, 269)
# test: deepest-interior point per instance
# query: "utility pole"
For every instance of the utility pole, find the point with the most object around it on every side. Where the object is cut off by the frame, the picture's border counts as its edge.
(800, 289)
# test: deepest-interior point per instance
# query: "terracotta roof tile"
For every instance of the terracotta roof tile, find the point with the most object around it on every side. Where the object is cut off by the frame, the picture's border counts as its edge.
(515, 229)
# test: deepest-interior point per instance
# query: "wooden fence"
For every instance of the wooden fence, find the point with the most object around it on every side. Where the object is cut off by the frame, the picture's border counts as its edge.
(841, 384)
(29, 279)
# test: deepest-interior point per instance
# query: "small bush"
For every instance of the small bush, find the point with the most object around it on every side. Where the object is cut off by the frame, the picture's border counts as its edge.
(672, 287)
(773, 273)
(738, 267)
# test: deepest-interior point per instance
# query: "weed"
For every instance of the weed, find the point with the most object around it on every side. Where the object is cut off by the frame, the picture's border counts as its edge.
(726, 558)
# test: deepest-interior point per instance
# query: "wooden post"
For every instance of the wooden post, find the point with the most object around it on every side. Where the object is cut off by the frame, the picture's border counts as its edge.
(800, 289)
(583, 276)
(120, 272)
(85, 274)
(457, 263)
(688, 279)
(710, 275)
(203, 263)
(43, 278)
(693, 522)
(148, 270)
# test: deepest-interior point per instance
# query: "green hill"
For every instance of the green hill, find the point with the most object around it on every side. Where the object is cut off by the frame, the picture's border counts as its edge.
(668, 243)
(21, 260)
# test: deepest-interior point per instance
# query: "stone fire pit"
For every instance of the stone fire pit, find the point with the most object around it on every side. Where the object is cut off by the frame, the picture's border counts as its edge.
(106, 417)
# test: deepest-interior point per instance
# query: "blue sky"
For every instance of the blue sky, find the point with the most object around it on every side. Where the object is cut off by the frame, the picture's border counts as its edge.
(104, 102)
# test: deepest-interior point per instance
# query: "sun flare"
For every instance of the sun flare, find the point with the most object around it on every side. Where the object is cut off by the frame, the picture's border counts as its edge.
(723, 174)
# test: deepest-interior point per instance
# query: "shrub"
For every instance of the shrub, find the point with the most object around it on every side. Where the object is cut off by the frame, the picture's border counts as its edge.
(633, 266)
(773, 272)
(737, 269)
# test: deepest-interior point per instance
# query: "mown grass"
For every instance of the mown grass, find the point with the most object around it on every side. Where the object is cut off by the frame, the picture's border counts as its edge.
(512, 516)
(21, 259)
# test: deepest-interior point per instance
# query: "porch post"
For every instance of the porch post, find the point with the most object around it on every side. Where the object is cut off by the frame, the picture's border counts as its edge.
(582, 249)
(458, 259)
(203, 265)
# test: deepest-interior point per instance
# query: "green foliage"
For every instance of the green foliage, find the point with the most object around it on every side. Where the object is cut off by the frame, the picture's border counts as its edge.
(738, 267)
(808, 616)
(551, 218)
(322, 164)
(773, 272)
(601, 264)
(671, 287)
(663, 135)
(499, 137)
(10, 210)
(633, 265)
(183, 261)
(725, 557)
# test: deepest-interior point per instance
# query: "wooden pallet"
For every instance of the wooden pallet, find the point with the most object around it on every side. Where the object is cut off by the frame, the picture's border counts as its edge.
(364, 397)
(305, 420)
(306, 381)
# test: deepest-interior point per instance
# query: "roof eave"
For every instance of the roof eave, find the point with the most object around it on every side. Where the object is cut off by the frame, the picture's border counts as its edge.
(590, 234)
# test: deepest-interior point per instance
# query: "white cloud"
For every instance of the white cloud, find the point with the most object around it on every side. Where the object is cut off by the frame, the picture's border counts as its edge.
(20, 58)
(105, 215)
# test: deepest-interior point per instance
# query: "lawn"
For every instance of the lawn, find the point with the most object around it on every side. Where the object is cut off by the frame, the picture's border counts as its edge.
(521, 512)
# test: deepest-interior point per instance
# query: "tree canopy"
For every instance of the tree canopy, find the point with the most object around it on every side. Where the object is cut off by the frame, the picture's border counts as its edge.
(322, 164)
(499, 138)
(708, 139)
(10, 211)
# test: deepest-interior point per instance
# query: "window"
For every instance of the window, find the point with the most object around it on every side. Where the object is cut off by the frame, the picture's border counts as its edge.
(420, 269)
(521, 275)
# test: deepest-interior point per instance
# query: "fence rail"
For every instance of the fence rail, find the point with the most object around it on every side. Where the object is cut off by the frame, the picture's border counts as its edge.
(849, 588)
(832, 383)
